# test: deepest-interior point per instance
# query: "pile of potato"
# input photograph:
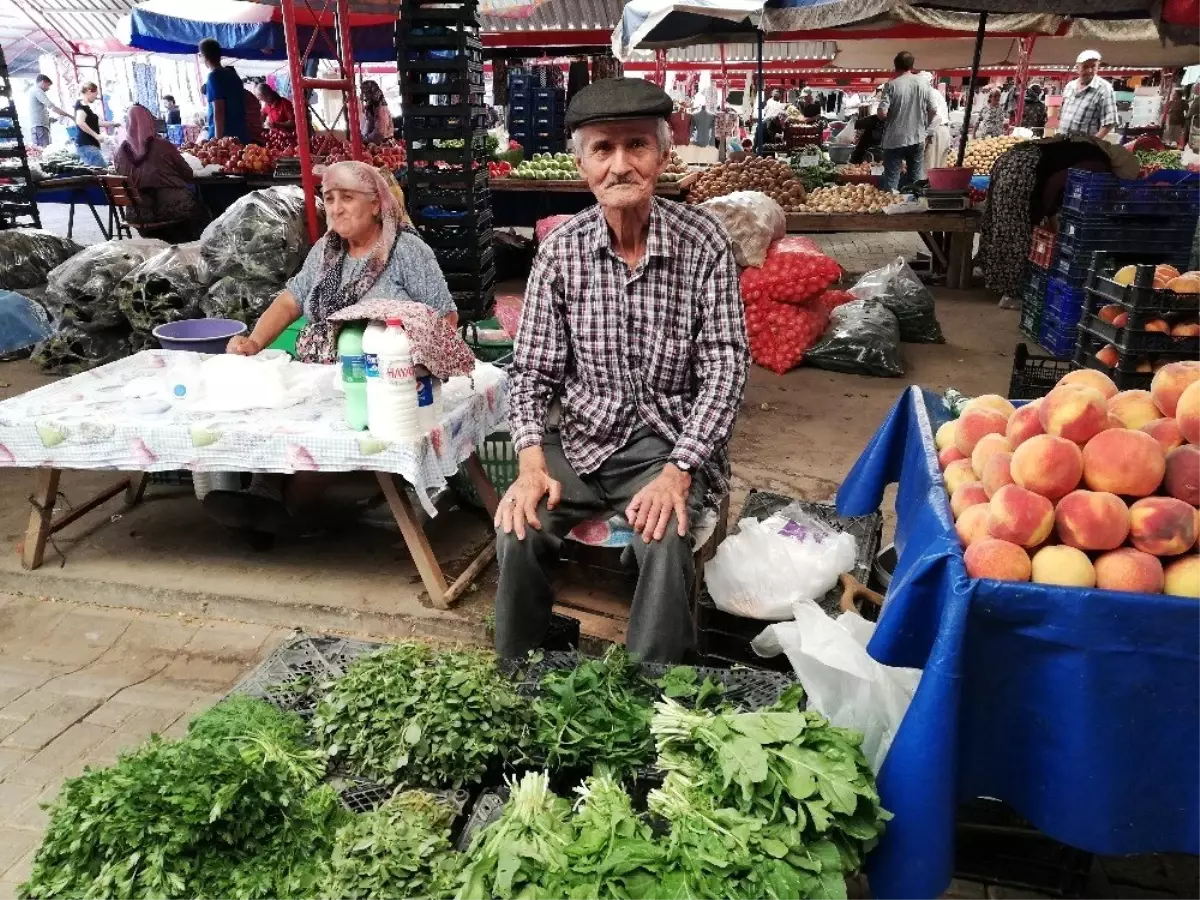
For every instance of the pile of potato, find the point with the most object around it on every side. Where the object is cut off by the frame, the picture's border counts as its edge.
(863, 168)
(676, 169)
(849, 198)
(772, 177)
(983, 153)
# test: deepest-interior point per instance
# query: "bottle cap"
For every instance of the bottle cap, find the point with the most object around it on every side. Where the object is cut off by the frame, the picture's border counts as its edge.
(394, 322)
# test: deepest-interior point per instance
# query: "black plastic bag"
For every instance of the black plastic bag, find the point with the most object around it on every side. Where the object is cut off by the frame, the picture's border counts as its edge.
(83, 289)
(71, 350)
(262, 237)
(862, 338)
(165, 288)
(27, 255)
(234, 298)
(898, 288)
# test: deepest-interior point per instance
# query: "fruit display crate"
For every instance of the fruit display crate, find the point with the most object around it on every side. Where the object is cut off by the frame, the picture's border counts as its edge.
(1129, 371)
(472, 260)
(19, 206)
(1058, 336)
(1062, 301)
(1166, 193)
(1033, 301)
(1141, 295)
(1135, 337)
(473, 306)
(1035, 376)
(1073, 261)
(476, 198)
(463, 78)
(1041, 247)
(456, 178)
(436, 44)
(463, 151)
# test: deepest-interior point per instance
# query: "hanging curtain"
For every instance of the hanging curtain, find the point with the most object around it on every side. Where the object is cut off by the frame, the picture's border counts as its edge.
(145, 87)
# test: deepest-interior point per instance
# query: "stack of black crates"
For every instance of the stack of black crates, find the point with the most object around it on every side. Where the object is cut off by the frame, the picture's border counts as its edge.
(18, 204)
(1149, 220)
(537, 113)
(439, 58)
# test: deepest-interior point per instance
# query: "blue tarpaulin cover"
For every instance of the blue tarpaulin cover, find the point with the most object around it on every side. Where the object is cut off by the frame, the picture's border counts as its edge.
(1079, 708)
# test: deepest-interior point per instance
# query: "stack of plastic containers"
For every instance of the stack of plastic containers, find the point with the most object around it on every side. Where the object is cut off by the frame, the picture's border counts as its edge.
(536, 113)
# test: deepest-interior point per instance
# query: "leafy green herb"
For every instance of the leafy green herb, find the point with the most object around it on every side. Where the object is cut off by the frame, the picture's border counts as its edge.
(408, 715)
(681, 682)
(521, 851)
(400, 849)
(597, 711)
(230, 810)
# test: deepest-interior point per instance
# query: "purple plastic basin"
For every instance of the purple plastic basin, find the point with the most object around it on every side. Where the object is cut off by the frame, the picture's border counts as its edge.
(198, 335)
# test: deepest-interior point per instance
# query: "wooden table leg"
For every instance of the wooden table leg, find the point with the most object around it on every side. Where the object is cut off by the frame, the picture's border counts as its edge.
(415, 540)
(931, 241)
(482, 484)
(40, 517)
(958, 275)
(137, 489)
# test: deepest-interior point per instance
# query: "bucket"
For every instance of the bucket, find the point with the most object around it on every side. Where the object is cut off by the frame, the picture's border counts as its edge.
(839, 154)
(198, 335)
(957, 178)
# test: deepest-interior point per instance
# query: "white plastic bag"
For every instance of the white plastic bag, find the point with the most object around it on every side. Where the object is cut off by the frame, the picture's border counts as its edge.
(762, 570)
(840, 679)
(753, 221)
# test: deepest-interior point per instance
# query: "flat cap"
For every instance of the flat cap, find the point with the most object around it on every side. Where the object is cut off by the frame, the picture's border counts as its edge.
(614, 99)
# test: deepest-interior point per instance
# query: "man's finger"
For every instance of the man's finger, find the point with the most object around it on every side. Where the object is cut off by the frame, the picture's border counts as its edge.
(632, 510)
(681, 514)
(555, 494)
(660, 525)
(530, 509)
(503, 519)
(653, 512)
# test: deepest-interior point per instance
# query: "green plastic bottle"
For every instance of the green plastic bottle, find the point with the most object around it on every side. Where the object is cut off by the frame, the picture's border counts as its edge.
(354, 375)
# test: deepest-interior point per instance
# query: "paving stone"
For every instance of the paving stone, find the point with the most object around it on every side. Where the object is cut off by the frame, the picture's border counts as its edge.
(33, 817)
(29, 704)
(13, 799)
(8, 889)
(45, 726)
(18, 872)
(111, 714)
(80, 638)
(160, 694)
(10, 759)
(222, 640)
(133, 731)
(999, 892)
(56, 759)
(14, 844)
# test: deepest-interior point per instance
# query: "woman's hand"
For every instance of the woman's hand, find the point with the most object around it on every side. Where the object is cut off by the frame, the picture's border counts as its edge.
(240, 345)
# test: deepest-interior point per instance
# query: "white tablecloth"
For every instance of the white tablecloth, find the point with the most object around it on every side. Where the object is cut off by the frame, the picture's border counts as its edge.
(87, 422)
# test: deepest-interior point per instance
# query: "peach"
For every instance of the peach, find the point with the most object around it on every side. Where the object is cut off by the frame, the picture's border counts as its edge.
(990, 401)
(1047, 465)
(1157, 325)
(957, 474)
(1089, 378)
(1020, 516)
(1186, 329)
(1133, 409)
(1063, 565)
(1108, 355)
(1120, 320)
(1075, 413)
(972, 525)
(975, 424)
(1144, 365)
(1165, 431)
(992, 558)
(997, 472)
(1024, 424)
(945, 434)
(1126, 569)
(1169, 382)
(1124, 462)
(969, 494)
(1091, 520)
(1110, 312)
(1187, 413)
(1182, 479)
(989, 445)
(1182, 577)
(951, 454)
(1163, 526)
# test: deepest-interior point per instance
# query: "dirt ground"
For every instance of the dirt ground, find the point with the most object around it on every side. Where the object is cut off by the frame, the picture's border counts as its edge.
(797, 434)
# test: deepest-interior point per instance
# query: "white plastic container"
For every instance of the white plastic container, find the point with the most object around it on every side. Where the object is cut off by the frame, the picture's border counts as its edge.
(392, 410)
(370, 346)
(429, 399)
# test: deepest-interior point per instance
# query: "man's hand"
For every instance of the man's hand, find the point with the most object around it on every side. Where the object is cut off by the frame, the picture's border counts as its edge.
(650, 509)
(240, 345)
(518, 507)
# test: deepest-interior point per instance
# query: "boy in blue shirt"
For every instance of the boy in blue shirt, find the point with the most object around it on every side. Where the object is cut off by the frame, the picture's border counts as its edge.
(226, 104)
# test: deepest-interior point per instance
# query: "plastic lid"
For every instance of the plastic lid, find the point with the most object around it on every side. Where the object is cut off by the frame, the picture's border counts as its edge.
(398, 323)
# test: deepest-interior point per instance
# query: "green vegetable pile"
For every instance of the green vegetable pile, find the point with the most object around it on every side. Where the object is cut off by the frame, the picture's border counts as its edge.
(232, 810)
(407, 714)
(1159, 159)
(401, 849)
(813, 177)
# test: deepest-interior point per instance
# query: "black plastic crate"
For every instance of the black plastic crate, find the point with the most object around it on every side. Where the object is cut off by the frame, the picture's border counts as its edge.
(487, 809)
(1035, 376)
(1058, 336)
(1134, 338)
(1141, 295)
(716, 649)
(464, 150)
(1169, 194)
(359, 795)
(462, 260)
(421, 180)
(1033, 301)
(1125, 374)
(285, 678)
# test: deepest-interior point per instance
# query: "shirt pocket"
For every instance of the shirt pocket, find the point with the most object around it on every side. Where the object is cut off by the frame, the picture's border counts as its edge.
(669, 365)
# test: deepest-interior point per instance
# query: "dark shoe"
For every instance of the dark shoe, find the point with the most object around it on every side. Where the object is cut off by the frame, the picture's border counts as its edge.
(244, 511)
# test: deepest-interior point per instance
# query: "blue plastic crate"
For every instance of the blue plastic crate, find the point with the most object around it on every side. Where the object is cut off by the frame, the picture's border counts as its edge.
(520, 83)
(1058, 338)
(1064, 301)
(1165, 193)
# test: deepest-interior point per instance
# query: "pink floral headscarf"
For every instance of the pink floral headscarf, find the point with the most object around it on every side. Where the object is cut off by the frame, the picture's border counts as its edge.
(140, 130)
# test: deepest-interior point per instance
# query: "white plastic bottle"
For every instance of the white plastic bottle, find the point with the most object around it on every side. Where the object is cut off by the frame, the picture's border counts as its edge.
(370, 347)
(392, 411)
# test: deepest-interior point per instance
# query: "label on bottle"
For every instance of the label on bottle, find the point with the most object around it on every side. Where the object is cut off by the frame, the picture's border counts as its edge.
(371, 365)
(396, 371)
(354, 369)
(425, 390)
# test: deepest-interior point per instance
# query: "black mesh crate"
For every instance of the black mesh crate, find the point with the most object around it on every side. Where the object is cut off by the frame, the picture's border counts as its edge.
(463, 260)
(463, 151)
(1035, 376)
(1135, 337)
(1033, 301)
(419, 180)
(1141, 295)
(487, 809)
(1132, 371)
(476, 233)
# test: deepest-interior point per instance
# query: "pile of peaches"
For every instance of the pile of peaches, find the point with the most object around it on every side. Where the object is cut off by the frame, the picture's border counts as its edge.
(1086, 487)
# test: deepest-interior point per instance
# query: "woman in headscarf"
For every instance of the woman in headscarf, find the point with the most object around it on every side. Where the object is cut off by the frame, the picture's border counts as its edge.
(993, 118)
(377, 119)
(371, 251)
(161, 177)
(1034, 115)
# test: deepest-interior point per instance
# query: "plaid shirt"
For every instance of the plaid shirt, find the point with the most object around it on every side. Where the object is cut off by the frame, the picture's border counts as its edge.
(663, 346)
(1085, 110)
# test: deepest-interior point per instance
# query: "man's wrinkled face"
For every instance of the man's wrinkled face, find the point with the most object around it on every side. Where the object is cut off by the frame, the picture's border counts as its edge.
(1087, 70)
(621, 161)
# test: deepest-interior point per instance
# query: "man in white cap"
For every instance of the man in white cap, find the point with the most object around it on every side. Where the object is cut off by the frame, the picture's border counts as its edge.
(1089, 106)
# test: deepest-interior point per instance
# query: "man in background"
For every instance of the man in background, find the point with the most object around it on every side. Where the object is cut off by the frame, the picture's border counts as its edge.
(907, 109)
(774, 106)
(40, 108)
(1089, 106)
(225, 94)
(173, 114)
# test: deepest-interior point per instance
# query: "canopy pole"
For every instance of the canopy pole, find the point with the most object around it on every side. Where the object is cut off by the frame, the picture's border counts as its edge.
(762, 102)
(966, 129)
(723, 107)
(1021, 82)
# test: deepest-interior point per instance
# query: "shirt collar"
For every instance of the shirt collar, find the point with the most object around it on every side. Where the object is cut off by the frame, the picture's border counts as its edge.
(658, 240)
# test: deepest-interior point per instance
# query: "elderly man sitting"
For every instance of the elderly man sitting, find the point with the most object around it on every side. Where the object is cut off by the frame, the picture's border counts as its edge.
(633, 323)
